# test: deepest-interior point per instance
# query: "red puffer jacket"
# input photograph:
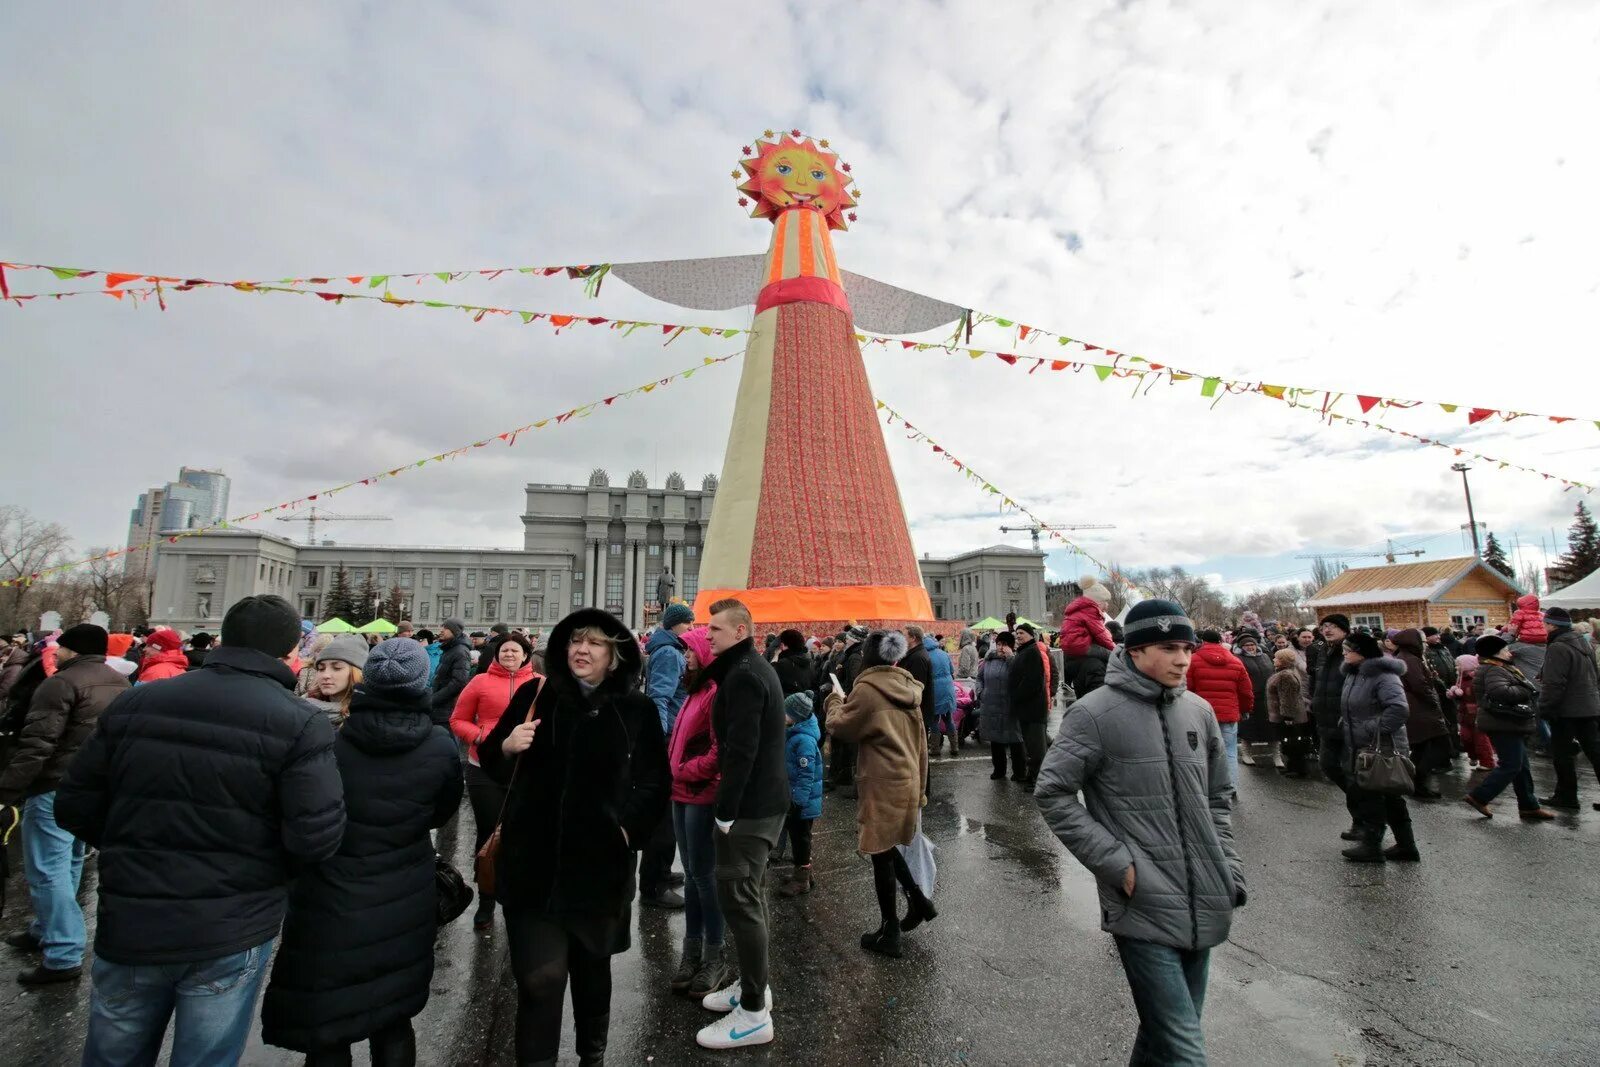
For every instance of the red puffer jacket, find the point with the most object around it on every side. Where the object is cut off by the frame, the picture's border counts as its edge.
(1216, 675)
(157, 666)
(484, 700)
(1527, 622)
(1083, 625)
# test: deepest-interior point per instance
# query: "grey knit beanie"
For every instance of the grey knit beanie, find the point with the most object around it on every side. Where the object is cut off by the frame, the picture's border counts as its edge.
(346, 648)
(397, 667)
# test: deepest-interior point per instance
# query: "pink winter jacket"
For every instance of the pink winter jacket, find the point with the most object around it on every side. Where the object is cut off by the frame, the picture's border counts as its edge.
(1527, 622)
(692, 748)
(1082, 626)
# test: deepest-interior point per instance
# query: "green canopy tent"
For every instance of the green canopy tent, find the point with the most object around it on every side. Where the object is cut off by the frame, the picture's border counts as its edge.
(336, 625)
(378, 626)
(991, 623)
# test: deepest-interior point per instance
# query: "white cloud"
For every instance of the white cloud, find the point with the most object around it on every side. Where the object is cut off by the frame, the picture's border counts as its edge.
(1342, 195)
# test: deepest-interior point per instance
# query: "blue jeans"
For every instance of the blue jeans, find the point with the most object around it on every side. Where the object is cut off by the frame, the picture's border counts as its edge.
(53, 862)
(215, 1002)
(1511, 768)
(696, 828)
(1230, 741)
(1169, 991)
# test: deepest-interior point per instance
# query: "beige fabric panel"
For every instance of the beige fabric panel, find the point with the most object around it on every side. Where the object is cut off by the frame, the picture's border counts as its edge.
(725, 560)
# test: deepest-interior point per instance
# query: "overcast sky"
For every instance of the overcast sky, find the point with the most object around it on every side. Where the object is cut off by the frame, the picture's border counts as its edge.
(1394, 199)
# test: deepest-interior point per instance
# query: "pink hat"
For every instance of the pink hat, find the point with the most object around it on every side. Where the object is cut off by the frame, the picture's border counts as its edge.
(699, 643)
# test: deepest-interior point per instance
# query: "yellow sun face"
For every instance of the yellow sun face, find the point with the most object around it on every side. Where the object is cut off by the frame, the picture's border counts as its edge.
(795, 172)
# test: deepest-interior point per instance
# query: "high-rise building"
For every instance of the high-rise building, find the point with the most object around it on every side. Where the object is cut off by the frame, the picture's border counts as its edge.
(198, 498)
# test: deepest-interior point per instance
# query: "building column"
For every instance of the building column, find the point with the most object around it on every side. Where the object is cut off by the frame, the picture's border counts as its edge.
(672, 562)
(628, 585)
(602, 551)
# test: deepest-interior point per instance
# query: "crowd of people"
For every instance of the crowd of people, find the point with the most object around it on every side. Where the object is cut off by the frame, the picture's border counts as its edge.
(246, 797)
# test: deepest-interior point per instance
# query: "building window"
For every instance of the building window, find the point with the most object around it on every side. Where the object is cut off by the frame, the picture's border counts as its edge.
(535, 581)
(1459, 621)
(691, 551)
(427, 578)
(202, 605)
(616, 509)
(577, 602)
(447, 579)
(422, 611)
(577, 576)
(555, 581)
(977, 582)
(555, 608)
(535, 608)
(655, 510)
(616, 550)
(313, 577)
(613, 592)
(447, 606)
(308, 607)
(511, 579)
(472, 579)
(406, 577)
(1371, 622)
(691, 586)
(383, 577)
(655, 550)
(491, 607)
(263, 575)
(511, 610)
(938, 586)
(467, 613)
(491, 580)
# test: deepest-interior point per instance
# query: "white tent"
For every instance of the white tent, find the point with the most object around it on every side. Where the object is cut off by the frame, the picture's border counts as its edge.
(1584, 593)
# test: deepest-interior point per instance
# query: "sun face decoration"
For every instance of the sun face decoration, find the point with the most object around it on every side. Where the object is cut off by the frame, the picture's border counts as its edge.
(796, 172)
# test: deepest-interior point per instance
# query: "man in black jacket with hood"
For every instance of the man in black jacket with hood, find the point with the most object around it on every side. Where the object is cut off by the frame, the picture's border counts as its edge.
(1327, 691)
(752, 800)
(203, 794)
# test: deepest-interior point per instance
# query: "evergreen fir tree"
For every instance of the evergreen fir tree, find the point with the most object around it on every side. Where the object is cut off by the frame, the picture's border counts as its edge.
(1494, 554)
(1583, 548)
(366, 602)
(340, 599)
(393, 607)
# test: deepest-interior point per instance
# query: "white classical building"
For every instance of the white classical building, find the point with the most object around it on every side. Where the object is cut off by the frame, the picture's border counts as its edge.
(583, 545)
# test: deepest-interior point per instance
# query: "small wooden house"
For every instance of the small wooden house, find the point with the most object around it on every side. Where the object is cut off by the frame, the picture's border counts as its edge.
(1439, 592)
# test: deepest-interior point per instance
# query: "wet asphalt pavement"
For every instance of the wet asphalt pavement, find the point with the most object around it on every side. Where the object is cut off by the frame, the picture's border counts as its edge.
(1485, 953)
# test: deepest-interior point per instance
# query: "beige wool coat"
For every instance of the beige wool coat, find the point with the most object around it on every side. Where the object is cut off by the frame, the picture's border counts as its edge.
(883, 715)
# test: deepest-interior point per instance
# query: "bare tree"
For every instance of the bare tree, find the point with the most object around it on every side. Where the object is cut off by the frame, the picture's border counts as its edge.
(112, 588)
(27, 546)
(1117, 584)
(1325, 569)
(1199, 600)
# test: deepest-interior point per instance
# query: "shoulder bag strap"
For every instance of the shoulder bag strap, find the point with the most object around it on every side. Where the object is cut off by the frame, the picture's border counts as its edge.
(518, 765)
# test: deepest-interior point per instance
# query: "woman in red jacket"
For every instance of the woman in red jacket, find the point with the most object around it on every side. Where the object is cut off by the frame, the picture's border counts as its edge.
(1217, 676)
(478, 708)
(163, 657)
(692, 755)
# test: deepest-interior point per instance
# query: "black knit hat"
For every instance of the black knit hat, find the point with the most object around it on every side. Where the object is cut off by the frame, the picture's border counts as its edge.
(1341, 621)
(86, 639)
(265, 623)
(1155, 622)
(1490, 647)
(1558, 617)
(1364, 645)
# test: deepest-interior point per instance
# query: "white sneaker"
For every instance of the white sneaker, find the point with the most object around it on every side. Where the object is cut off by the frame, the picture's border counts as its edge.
(738, 1029)
(725, 1000)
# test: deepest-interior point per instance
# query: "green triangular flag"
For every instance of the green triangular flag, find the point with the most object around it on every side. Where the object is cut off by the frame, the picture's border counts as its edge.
(1102, 371)
(377, 280)
(1209, 388)
(442, 275)
(64, 273)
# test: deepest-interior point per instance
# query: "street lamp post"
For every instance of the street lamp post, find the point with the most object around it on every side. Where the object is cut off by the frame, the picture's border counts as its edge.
(1472, 520)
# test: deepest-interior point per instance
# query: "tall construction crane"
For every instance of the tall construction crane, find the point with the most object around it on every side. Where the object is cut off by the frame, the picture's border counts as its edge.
(1388, 556)
(312, 517)
(1038, 526)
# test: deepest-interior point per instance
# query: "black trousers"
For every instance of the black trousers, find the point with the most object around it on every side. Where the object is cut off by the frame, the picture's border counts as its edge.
(545, 953)
(1430, 756)
(1019, 757)
(1333, 760)
(1035, 742)
(655, 859)
(487, 796)
(842, 765)
(1296, 741)
(799, 829)
(393, 1046)
(1566, 736)
(1379, 811)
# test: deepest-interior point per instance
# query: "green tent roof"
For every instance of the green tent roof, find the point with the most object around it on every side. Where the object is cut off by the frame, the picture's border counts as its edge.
(378, 626)
(991, 623)
(336, 625)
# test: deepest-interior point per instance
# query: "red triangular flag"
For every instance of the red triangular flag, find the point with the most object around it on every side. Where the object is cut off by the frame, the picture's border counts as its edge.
(1477, 415)
(1367, 403)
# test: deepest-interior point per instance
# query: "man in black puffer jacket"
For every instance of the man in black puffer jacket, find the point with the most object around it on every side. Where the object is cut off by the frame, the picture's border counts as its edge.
(752, 800)
(1327, 690)
(203, 794)
(455, 670)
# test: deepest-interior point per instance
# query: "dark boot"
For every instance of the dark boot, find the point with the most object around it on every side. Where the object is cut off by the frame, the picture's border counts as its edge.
(591, 1044)
(800, 883)
(394, 1046)
(885, 940)
(1404, 849)
(1368, 851)
(921, 910)
(1355, 833)
(683, 977)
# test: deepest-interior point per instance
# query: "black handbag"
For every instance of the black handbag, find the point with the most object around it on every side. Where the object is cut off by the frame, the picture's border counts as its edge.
(1383, 772)
(455, 895)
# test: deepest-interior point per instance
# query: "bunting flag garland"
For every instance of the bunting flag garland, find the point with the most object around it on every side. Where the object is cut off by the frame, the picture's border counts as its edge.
(592, 275)
(1293, 396)
(509, 437)
(914, 434)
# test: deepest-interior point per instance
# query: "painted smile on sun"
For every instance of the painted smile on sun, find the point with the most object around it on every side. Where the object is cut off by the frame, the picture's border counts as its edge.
(795, 171)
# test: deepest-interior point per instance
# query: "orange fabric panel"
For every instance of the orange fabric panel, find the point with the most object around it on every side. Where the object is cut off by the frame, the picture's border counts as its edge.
(808, 260)
(797, 604)
(780, 237)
